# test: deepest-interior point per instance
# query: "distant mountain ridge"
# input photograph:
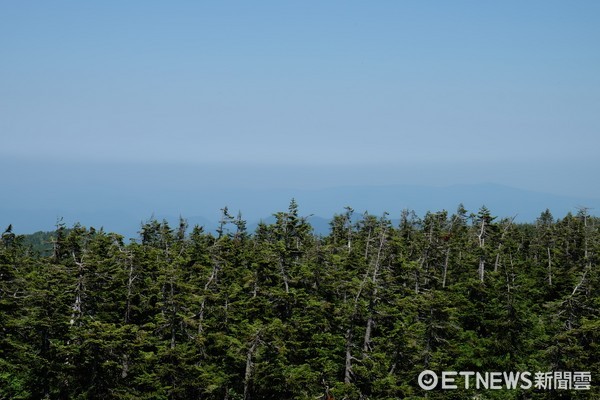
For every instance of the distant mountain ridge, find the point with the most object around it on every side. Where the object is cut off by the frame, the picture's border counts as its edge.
(320, 204)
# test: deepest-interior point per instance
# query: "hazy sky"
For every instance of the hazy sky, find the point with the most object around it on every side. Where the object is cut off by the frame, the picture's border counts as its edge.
(505, 91)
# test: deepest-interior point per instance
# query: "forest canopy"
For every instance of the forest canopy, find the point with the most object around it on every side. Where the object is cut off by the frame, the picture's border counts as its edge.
(283, 313)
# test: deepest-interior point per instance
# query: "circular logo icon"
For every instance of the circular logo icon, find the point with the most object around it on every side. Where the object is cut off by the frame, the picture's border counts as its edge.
(428, 380)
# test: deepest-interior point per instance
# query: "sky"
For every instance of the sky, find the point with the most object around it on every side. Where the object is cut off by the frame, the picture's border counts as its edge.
(336, 92)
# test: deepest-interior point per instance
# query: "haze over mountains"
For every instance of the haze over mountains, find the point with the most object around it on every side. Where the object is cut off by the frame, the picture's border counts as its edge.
(119, 199)
(114, 112)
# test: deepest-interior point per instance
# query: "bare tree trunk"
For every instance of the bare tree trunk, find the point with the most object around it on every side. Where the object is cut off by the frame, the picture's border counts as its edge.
(79, 288)
(580, 283)
(348, 216)
(125, 367)
(549, 267)
(349, 238)
(349, 338)
(367, 338)
(284, 276)
(481, 238)
(249, 365)
(445, 273)
(368, 244)
(211, 279)
(584, 212)
(504, 232)
(348, 366)
(130, 279)
(255, 286)
(497, 262)
(417, 278)
(77, 304)
(422, 261)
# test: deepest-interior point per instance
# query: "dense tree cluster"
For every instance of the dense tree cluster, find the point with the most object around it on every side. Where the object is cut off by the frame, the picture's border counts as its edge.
(282, 313)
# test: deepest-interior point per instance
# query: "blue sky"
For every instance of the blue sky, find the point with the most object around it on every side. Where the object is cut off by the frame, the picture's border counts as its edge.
(386, 92)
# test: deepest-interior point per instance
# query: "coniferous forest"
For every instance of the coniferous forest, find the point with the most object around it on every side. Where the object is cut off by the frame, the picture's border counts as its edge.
(283, 313)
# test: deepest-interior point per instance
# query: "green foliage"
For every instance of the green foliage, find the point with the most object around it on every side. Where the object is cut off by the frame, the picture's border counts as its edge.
(283, 314)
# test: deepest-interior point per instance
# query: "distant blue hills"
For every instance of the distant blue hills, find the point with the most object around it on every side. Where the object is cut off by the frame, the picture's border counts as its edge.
(201, 206)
